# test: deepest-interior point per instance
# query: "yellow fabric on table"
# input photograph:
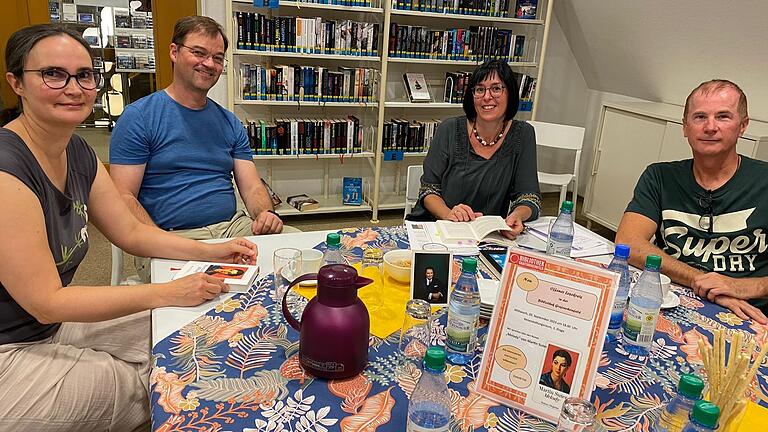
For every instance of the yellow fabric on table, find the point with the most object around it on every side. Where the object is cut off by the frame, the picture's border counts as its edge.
(755, 419)
(385, 299)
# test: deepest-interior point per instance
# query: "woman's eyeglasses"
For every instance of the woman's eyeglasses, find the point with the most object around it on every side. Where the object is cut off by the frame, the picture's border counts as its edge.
(706, 221)
(57, 79)
(496, 90)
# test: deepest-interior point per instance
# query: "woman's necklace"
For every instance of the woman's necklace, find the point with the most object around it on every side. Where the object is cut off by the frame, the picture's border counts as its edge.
(484, 142)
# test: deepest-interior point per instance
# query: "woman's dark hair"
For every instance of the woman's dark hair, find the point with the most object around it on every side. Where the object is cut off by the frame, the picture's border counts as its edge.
(565, 355)
(483, 72)
(17, 50)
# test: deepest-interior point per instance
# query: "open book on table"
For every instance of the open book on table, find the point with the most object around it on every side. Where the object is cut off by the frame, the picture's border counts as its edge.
(238, 277)
(484, 228)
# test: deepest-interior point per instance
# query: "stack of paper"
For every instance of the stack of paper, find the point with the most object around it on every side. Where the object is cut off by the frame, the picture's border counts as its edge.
(585, 242)
(423, 233)
(489, 289)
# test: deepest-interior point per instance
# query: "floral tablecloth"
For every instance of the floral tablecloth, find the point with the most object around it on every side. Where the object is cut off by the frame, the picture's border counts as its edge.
(236, 368)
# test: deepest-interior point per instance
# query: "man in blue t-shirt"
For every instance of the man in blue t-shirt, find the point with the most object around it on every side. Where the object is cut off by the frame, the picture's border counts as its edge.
(174, 153)
(708, 214)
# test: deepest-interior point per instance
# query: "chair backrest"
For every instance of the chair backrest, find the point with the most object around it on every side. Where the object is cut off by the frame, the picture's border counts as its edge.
(412, 185)
(558, 136)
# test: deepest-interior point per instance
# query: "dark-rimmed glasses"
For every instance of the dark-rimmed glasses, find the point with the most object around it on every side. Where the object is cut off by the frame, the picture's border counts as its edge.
(202, 56)
(706, 221)
(57, 79)
(496, 90)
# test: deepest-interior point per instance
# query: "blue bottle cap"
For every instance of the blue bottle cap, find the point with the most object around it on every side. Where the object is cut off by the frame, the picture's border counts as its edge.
(621, 250)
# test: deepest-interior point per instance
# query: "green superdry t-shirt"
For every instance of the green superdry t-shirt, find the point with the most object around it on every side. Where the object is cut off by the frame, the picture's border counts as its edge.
(668, 193)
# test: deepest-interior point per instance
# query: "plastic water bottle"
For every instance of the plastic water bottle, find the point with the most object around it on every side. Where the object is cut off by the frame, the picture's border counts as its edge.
(429, 409)
(332, 254)
(619, 265)
(463, 315)
(675, 415)
(703, 417)
(643, 309)
(561, 232)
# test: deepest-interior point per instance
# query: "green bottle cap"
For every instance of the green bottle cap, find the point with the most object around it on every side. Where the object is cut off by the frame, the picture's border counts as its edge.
(567, 206)
(435, 358)
(653, 261)
(705, 413)
(469, 265)
(691, 386)
(333, 239)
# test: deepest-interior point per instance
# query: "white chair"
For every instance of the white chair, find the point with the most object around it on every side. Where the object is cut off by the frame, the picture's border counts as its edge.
(552, 135)
(412, 185)
(117, 266)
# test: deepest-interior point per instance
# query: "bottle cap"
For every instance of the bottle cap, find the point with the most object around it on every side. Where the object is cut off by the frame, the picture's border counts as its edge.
(622, 251)
(705, 413)
(567, 206)
(691, 386)
(333, 239)
(435, 358)
(469, 265)
(653, 261)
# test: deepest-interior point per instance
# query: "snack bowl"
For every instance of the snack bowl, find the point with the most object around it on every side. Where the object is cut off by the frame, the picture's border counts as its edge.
(397, 264)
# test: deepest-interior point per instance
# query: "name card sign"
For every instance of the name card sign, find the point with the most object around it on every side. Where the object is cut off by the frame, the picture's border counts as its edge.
(547, 332)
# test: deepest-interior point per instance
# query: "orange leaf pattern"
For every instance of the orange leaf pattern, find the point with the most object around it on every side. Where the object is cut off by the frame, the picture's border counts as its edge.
(376, 411)
(169, 386)
(471, 410)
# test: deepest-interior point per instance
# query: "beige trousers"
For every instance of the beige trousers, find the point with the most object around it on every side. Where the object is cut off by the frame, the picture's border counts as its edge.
(86, 377)
(238, 226)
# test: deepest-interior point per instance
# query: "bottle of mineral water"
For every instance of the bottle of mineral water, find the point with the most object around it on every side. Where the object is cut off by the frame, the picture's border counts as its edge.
(429, 409)
(619, 265)
(643, 309)
(463, 315)
(561, 233)
(676, 413)
(703, 417)
(332, 254)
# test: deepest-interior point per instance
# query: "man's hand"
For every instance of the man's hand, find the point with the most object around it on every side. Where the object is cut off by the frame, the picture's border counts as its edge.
(237, 251)
(267, 223)
(712, 285)
(741, 308)
(435, 295)
(463, 213)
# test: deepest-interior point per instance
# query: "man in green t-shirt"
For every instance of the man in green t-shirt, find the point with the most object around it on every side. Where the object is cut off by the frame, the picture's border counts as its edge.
(708, 214)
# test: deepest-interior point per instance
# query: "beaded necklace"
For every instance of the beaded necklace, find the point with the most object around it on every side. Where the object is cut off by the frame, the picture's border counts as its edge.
(484, 142)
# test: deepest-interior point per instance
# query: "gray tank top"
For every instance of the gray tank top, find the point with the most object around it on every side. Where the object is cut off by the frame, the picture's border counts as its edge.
(66, 217)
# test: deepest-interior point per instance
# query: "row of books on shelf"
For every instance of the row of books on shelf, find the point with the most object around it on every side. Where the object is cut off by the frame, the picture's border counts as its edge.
(125, 18)
(135, 61)
(359, 3)
(494, 8)
(414, 136)
(134, 41)
(306, 35)
(297, 136)
(456, 83)
(308, 83)
(477, 43)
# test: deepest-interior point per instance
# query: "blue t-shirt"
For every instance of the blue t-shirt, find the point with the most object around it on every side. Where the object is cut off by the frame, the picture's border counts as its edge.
(189, 156)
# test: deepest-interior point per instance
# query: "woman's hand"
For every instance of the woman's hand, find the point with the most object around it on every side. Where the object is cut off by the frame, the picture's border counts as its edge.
(236, 251)
(462, 213)
(191, 290)
(513, 221)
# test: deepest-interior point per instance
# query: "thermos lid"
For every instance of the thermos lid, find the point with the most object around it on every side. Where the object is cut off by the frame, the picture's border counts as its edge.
(337, 275)
(690, 385)
(705, 413)
(622, 251)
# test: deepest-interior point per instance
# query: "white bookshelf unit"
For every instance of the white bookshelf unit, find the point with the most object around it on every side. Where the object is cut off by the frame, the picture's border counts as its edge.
(320, 175)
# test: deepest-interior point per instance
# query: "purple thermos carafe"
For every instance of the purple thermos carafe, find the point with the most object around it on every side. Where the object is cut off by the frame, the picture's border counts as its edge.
(333, 331)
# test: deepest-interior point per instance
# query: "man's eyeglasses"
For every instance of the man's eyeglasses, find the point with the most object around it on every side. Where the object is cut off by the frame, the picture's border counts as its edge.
(57, 79)
(706, 221)
(202, 56)
(496, 90)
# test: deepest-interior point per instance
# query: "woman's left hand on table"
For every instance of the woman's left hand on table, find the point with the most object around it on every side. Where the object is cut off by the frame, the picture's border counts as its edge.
(236, 251)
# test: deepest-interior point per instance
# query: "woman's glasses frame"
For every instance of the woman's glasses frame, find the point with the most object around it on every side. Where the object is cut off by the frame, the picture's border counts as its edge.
(57, 79)
(496, 90)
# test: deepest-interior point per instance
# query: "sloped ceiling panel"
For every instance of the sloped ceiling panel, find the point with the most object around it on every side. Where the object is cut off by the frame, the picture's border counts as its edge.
(659, 50)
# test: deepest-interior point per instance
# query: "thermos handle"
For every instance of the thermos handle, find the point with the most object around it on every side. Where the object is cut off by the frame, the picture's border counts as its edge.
(293, 322)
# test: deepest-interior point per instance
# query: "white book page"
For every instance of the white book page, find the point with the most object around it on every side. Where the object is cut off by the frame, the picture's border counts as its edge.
(485, 225)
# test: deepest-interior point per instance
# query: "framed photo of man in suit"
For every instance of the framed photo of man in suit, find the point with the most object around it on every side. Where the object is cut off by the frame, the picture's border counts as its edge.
(431, 276)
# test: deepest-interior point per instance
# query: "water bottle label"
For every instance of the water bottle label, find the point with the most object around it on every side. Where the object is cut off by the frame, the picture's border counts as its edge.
(558, 249)
(640, 324)
(461, 333)
(413, 427)
(617, 315)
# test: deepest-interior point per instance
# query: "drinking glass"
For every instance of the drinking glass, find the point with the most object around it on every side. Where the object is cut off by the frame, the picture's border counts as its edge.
(372, 268)
(577, 415)
(286, 263)
(415, 335)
